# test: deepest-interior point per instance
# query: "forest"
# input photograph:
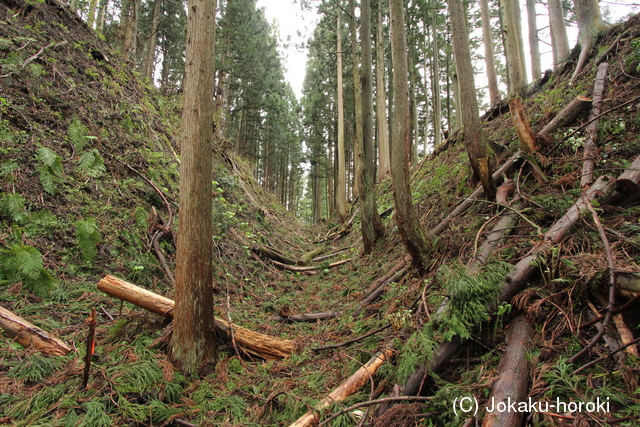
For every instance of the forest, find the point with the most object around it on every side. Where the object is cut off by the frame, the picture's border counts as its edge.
(438, 231)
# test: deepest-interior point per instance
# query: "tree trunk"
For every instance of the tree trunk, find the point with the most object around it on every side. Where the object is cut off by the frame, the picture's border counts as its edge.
(28, 334)
(590, 25)
(559, 39)
(358, 155)
(341, 190)
(435, 88)
(513, 376)
(384, 170)
(91, 17)
(490, 64)
(474, 139)
(534, 47)
(372, 228)
(193, 346)
(153, 37)
(514, 47)
(264, 346)
(407, 220)
(629, 181)
(129, 27)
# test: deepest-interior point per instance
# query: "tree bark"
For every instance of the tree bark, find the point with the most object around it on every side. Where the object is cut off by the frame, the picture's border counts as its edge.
(371, 224)
(629, 181)
(490, 64)
(150, 65)
(358, 154)
(534, 46)
(590, 149)
(514, 47)
(474, 139)
(559, 39)
(361, 377)
(513, 371)
(590, 25)
(254, 343)
(437, 103)
(193, 345)
(384, 170)
(341, 190)
(414, 238)
(28, 334)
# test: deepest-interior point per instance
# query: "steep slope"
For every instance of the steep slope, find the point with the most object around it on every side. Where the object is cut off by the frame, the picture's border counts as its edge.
(88, 166)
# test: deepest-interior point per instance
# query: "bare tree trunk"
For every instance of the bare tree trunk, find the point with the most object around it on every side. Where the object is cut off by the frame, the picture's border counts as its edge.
(590, 25)
(474, 139)
(409, 226)
(437, 103)
(358, 154)
(341, 190)
(91, 17)
(514, 47)
(384, 170)
(193, 347)
(559, 39)
(153, 38)
(372, 228)
(490, 63)
(534, 47)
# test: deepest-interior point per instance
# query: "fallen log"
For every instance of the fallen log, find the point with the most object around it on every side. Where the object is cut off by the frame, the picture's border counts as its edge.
(310, 268)
(521, 274)
(629, 181)
(273, 254)
(346, 389)
(254, 343)
(590, 149)
(565, 117)
(306, 258)
(307, 317)
(513, 379)
(27, 334)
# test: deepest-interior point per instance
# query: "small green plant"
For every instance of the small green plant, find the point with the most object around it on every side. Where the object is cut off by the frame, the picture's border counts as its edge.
(49, 168)
(24, 263)
(34, 369)
(88, 238)
(91, 163)
(78, 134)
(12, 206)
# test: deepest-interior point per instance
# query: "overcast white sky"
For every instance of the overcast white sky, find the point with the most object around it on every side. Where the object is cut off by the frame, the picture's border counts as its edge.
(296, 27)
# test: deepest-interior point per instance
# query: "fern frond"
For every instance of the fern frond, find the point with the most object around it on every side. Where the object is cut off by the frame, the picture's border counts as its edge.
(49, 158)
(13, 206)
(88, 238)
(92, 164)
(77, 134)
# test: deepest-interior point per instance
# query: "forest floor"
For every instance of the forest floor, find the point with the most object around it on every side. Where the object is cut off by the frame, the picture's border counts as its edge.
(88, 175)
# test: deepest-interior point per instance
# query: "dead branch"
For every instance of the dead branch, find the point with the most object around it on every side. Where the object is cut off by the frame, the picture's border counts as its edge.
(521, 124)
(254, 343)
(36, 56)
(375, 402)
(91, 322)
(351, 341)
(306, 258)
(310, 268)
(28, 334)
(513, 377)
(611, 48)
(590, 149)
(273, 254)
(307, 317)
(612, 283)
(347, 388)
(332, 254)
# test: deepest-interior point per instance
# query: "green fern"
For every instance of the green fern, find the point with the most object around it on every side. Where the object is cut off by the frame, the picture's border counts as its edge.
(12, 205)
(91, 163)
(88, 238)
(49, 168)
(77, 134)
(469, 296)
(24, 263)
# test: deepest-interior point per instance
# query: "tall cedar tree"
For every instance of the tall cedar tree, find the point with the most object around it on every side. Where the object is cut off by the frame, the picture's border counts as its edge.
(193, 347)
(558, 30)
(341, 190)
(474, 139)
(590, 25)
(409, 227)
(372, 228)
(514, 47)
